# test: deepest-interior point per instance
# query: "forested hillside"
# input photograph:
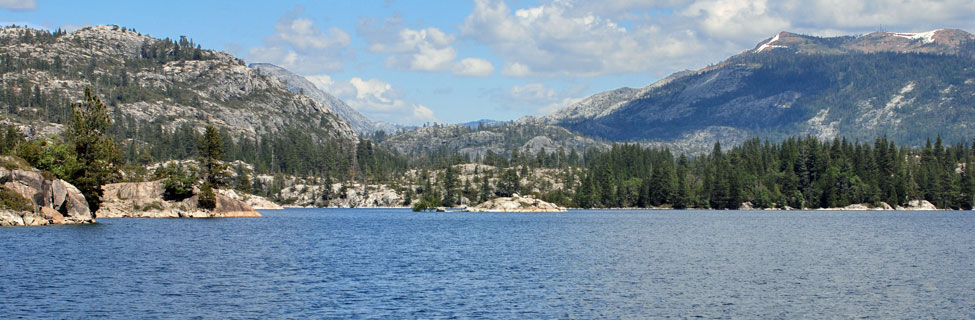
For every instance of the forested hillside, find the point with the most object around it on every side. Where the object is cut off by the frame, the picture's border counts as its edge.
(161, 93)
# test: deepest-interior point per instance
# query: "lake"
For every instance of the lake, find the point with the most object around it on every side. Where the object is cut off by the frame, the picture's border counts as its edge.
(381, 263)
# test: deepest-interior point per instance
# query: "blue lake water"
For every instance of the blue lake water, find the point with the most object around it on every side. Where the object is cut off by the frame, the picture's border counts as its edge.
(362, 263)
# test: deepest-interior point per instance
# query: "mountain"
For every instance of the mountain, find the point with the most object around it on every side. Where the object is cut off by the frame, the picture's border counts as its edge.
(299, 84)
(478, 141)
(909, 86)
(154, 87)
(483, 123)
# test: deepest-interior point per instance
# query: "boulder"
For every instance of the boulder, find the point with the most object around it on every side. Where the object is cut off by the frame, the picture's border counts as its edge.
(10, 218)
(34, 219)
(516, 203)
(256, 202)
(227, 207)
(54, 201)
(52, 215)
(918, 205)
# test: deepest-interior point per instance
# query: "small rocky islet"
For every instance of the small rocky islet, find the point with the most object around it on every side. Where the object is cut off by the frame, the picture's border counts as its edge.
(516, 203)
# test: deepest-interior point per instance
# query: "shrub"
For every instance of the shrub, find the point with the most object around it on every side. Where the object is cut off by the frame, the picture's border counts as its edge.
(207, 198)
(177, 183)
(11, 200)
(422, 205)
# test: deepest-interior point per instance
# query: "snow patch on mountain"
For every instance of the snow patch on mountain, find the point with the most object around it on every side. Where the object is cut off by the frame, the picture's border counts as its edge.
(770, 44)
(925, 37)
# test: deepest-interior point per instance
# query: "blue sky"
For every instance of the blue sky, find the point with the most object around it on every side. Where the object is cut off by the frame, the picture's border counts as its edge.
(412, 62)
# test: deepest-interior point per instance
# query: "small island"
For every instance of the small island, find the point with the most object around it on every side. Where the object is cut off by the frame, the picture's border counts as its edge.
(516, 203)
(147, 200)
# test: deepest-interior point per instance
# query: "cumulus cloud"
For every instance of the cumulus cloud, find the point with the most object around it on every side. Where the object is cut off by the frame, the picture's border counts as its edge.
(19, 5)
(336, 88)
(299, 44)
(376, 99)
(515, 69)
(558, 39)
(735, 18)
(538, 98)
(473, 67)
(426, 49)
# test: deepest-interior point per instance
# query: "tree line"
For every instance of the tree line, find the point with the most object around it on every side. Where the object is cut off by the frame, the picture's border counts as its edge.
(795, 173)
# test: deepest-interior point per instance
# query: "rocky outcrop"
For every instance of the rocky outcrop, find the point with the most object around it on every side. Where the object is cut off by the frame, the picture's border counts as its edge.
(255, 202)
(341, 195)
(918, 205)
(860, 207)
(145, 200)
(516, 203)
(45, 200)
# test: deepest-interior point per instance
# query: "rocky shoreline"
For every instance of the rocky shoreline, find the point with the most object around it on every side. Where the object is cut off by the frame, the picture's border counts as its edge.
(516, 203)
(33, 198)
(145, 200)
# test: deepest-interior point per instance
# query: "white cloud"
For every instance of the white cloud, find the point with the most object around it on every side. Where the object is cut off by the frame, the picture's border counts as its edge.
(18, 4)
(422, 114)
(735, 19)
(533, 92)
(376, 99)
(538, 98)
(373, 89)
(575, 38)
(473, 67)
(515, 69)
(425, 49)
(419, 50)
(335, 88)
(904, 15)
(298, 44)
(558, 39)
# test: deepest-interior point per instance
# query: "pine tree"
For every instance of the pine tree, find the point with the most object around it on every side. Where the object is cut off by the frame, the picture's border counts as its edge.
(508, 184)
(214, 171)
(486, 191)
(450, 187)
(211, 152)
(98, 155)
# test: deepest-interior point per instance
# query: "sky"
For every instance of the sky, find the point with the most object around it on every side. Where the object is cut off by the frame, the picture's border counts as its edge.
(416, 62)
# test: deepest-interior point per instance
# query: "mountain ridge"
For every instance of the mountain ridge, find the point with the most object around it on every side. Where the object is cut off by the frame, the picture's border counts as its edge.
(149, 83)
(789, 84)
